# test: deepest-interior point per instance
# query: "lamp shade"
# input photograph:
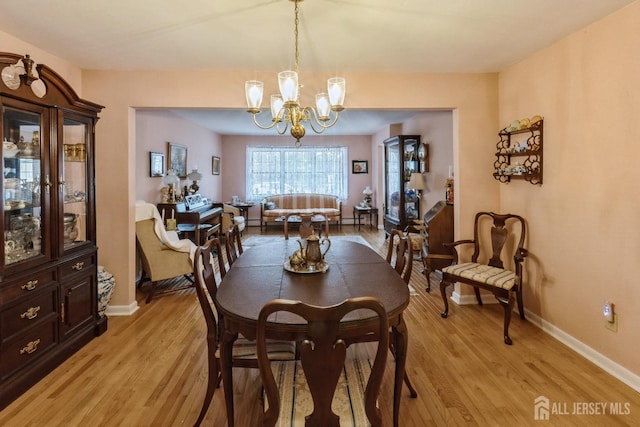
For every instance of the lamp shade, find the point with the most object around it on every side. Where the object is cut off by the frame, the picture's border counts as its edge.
(367, 191)
(336, 86)
(253, 92)
(171, 178)
(288, 83)
(195, 175)
(416, 182)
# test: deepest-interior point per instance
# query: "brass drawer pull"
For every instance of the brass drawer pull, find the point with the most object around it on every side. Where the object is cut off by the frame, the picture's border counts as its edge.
(29, 286)
(31, 347)
(31, 313)
(78, 266)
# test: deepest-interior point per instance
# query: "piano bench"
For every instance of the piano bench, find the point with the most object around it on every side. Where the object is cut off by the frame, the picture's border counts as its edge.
(205, 231)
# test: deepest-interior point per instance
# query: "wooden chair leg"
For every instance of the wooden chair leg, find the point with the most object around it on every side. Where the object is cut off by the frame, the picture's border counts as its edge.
(520, 303)
(443, 291)
(407, 381)
(508, 307)
(154, 285)
(427, 273)
(212, 381)
(477, 292)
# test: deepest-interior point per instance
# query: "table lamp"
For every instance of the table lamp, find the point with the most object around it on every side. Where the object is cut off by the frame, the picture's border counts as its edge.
(172, 181)
(416, 182)
(367, 195)
(194, 176)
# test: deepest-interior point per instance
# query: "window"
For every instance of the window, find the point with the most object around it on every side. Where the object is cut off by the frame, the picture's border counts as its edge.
(282, 170)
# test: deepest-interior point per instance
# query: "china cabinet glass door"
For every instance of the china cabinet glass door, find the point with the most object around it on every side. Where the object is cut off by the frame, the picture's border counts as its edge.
(22, 170)
(73, 182)
(393, 180)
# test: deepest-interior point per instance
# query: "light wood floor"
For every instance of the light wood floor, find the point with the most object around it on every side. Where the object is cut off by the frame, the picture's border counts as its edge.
(149, 369)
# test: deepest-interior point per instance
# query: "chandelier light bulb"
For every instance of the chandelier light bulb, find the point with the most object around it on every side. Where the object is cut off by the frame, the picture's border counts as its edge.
(253, 90)
(276, 106)
(323, 106)
(288, 83)
(336, 87)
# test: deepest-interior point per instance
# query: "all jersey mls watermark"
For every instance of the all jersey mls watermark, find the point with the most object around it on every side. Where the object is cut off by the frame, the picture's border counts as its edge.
(543, 408)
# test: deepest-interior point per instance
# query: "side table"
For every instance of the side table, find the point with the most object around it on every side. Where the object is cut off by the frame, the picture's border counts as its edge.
(358, 211)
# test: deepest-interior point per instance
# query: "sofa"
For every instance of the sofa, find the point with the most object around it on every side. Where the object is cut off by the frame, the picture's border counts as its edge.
(280, 205)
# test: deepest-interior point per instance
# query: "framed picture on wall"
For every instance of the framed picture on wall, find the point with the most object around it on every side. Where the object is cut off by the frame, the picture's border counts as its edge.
(215, 165)
(360, 166)
(156, 164)
(178, 159)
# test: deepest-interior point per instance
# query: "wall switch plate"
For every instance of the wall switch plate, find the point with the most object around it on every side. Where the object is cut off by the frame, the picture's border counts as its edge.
(612, 326)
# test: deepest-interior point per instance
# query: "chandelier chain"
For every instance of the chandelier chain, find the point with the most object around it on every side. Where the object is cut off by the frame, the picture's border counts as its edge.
(296, 21)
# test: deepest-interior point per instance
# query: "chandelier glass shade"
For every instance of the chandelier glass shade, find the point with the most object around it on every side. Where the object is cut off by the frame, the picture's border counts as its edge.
(286, 112)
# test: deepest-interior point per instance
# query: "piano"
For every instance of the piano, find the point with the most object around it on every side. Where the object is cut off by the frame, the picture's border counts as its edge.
(195, 216)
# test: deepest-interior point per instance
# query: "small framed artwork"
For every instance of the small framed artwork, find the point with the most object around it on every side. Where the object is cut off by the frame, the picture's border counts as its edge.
(156, 164)
(178, 159)
(215, 165)
(359, 166)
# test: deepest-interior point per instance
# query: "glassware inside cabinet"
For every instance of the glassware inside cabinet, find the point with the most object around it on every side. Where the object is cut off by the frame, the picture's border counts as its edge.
(73, 182)
(21, 172)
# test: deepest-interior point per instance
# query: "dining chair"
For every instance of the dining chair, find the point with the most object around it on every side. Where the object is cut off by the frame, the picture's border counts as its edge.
(495, 265)
(309, 390)
(233, 243)
(244, 351)
(403, 254)
(403, 266)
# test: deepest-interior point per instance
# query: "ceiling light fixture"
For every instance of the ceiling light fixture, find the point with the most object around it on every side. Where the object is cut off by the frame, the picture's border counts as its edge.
(285, 108)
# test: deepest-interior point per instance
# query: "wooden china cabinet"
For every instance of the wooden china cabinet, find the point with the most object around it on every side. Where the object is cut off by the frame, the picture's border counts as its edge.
(48, 267)
(401, 203)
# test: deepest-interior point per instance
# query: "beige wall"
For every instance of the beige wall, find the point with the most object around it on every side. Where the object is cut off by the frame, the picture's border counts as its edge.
(584, 226)
(436, 130)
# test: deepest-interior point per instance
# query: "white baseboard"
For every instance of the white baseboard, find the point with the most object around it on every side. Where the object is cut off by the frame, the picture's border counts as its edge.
(611, 367)
(122, 310)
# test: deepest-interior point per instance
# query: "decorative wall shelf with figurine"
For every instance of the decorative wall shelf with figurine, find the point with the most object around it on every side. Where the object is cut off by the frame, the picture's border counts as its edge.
(519, 152)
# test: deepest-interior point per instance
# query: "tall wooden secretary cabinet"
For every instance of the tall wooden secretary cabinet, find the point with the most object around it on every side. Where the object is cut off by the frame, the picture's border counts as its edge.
(48, 265)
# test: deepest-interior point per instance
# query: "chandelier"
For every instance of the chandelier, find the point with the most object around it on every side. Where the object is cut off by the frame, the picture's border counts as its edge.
(286, 111)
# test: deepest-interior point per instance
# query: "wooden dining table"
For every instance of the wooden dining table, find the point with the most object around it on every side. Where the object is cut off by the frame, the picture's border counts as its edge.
(355, 270)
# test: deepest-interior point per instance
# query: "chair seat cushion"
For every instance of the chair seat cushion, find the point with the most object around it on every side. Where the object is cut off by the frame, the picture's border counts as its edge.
(239, 221)
(416, 242)
(277, 350)
(296, 401)
(486, 274)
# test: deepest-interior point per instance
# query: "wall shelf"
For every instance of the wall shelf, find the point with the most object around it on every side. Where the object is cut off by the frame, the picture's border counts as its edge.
(519, 154)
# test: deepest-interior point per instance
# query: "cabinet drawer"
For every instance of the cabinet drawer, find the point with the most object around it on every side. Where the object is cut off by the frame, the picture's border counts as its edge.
(78, 265)
(28, 312)
(27, 346)
(26, 285)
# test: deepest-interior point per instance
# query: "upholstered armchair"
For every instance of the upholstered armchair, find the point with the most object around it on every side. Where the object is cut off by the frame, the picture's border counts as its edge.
(230, 216)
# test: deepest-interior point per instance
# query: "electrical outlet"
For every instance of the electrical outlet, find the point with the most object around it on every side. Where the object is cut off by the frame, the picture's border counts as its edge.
(612, 326)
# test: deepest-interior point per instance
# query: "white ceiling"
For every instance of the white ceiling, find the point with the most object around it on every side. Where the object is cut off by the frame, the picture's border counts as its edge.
(336, 36)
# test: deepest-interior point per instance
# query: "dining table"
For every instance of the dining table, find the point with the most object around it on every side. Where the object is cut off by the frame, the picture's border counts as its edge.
(354, 270)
